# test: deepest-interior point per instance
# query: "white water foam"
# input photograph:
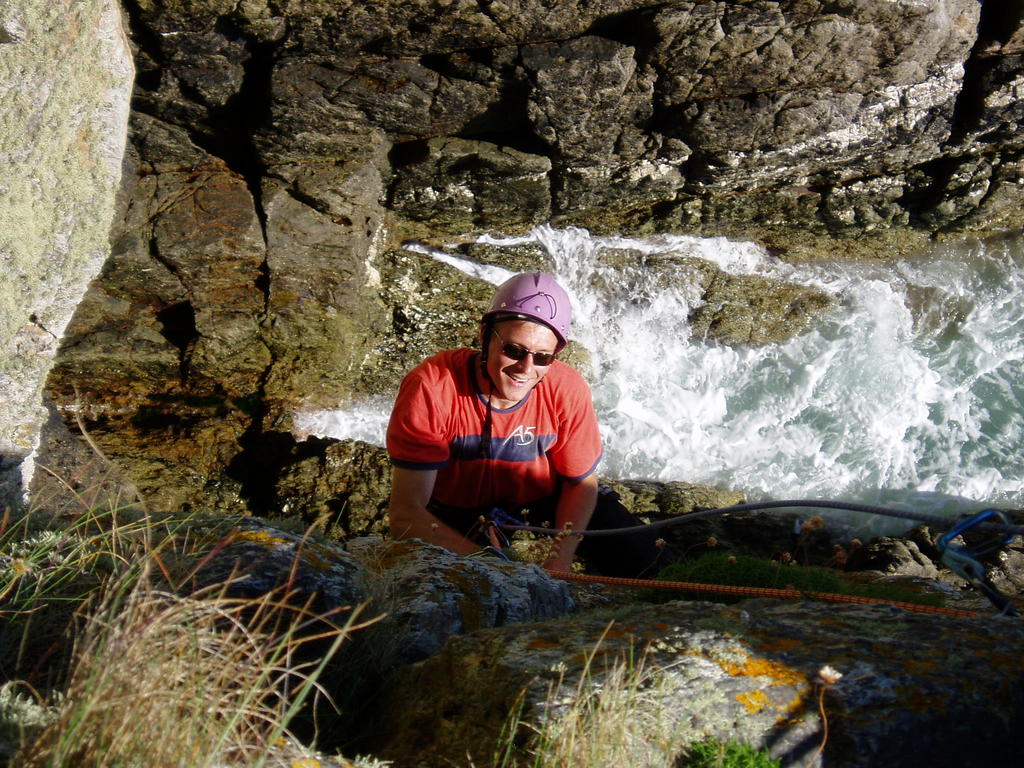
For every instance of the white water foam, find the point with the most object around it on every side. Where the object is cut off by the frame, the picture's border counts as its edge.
(908, 392)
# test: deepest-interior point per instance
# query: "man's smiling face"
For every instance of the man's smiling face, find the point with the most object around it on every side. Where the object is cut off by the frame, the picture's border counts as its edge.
(513, 379)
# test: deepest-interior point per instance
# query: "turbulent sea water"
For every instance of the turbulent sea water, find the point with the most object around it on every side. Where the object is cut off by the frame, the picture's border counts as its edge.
(907, 394)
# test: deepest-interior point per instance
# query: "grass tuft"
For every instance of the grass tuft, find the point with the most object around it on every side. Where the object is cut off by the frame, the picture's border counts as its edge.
(716, 754)
(747, 571)
(165, 680)
(101, 637)
(616, 718)
(619, 715)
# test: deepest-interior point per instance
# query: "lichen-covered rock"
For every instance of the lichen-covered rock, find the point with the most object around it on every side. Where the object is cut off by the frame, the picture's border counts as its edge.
(164, 354)
(255, 559)
(22, 717)
(464, 185)
(752, 310)
(894, 556)
(634, 103)
(422, 594)
(915, 554)
(323, 224)
(431, 305)
(671, 499)
(66, 75)
(914, 687)
(433, 595)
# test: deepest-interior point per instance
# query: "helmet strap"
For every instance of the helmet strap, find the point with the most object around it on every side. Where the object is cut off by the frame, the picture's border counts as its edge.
(485, 338)
(485, 341)
(485, 438)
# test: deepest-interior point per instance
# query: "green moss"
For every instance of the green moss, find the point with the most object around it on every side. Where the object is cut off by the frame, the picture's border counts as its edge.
(715, 754)
(746, 571)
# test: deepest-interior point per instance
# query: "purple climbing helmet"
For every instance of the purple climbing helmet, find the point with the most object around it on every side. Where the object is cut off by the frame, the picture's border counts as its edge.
(533, 296)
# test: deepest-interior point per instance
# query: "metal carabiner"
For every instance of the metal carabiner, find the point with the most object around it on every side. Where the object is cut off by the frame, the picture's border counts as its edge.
(965, 563)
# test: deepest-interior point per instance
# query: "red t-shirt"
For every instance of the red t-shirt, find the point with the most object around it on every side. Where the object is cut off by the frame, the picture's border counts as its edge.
(438, 423)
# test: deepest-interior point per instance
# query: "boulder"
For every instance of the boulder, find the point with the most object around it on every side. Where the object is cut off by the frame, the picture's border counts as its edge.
(914, 687)
(753, 310)
(915, 556)
(66, 75)
(460, 644)
(421, 594)
(431, 595)
(254, 559)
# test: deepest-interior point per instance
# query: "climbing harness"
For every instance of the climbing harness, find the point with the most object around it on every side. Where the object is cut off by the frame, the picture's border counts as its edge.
(960, 560)
(491, 527)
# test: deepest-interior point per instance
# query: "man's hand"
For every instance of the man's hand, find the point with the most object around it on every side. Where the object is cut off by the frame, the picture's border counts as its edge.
(575, 507)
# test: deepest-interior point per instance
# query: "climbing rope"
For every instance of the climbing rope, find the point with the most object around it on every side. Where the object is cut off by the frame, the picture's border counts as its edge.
(751, 592)
(959, 559)
(936, 521)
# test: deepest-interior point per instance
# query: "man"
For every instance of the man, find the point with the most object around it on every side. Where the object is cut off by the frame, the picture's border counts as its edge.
(508, 431)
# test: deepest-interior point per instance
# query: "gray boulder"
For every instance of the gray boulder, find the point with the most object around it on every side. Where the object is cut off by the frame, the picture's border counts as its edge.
(431, 595)
(915, 688)
(66, 75)
(421, 594)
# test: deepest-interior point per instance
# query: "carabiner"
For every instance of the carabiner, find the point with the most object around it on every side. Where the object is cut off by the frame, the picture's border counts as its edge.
(965, 563)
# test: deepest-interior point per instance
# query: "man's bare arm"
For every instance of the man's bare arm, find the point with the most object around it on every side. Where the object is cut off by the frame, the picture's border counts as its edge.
(575, 508)
(408, 515)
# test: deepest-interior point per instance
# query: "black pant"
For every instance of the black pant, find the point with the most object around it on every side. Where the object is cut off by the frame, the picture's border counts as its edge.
(636, 554)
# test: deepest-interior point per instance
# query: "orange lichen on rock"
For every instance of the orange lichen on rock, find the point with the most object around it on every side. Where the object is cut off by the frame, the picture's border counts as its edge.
(779, 674)
(754, 701)
(258, 537)
(313, 554)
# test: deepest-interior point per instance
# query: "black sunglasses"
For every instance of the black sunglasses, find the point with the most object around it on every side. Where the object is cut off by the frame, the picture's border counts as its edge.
(517, 352)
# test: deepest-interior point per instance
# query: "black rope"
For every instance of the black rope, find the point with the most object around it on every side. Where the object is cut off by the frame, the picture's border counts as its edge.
(934, 520)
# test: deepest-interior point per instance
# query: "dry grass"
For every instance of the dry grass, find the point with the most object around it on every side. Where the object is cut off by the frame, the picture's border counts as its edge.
(134, 670)
(164, 680)
(50, 566)
(618, 717)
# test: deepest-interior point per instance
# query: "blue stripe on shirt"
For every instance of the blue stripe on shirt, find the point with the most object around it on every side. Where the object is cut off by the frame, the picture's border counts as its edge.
(511, 448)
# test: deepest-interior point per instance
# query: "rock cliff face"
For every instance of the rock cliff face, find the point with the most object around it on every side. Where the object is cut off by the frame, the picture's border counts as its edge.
(281, 152)
(66, 78)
